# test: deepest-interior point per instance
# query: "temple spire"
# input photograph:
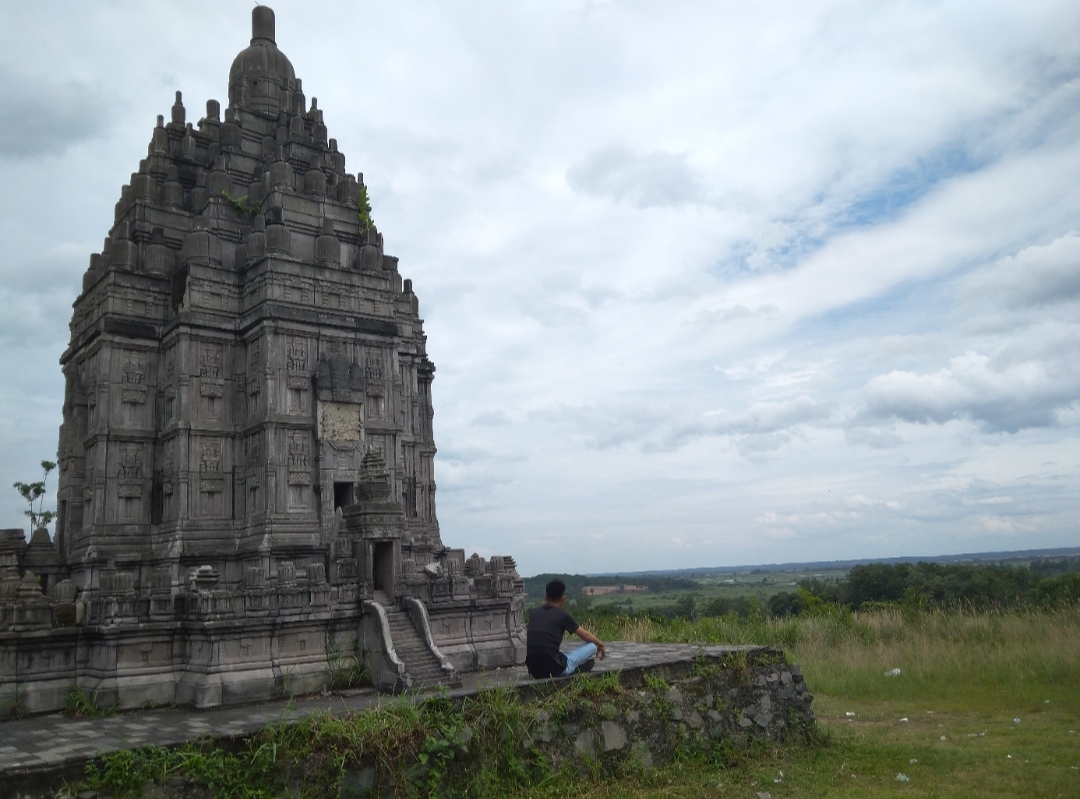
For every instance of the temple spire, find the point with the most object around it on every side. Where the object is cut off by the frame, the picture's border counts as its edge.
(262, 24)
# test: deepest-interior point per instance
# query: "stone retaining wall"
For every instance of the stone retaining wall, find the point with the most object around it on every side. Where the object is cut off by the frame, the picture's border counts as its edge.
(638, 716)
(702, 707)
(733, 699)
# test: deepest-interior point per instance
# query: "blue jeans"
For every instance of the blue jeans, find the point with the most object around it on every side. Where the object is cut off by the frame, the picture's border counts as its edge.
(575, 657)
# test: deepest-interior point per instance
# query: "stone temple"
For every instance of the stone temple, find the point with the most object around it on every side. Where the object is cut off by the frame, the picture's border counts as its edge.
(246, 491)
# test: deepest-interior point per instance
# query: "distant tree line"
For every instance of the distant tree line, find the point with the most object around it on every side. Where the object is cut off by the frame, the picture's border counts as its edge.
(1052, 567)
(1046, 583)
(941, 585)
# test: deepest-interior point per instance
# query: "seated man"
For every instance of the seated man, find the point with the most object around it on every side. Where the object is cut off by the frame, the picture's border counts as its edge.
(546, 626)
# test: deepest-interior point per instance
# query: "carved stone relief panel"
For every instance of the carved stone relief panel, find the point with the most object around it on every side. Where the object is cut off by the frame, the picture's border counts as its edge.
(211, 381)
(131, 465)
(375, 383)
(254, 377)
(298, 378)
(129, 488)
(133, 368)
(211, 496)
(297, 355)
(299, 466)
(211, 388)
(299, 457)
(253, 465)
(210, 455)
(132, 387)
(373, 368)
(210, 357)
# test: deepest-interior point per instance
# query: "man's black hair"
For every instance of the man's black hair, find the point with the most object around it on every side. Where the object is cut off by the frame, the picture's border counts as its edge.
(555, 590)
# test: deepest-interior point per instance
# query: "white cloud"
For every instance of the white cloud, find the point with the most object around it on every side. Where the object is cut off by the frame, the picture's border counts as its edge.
(999, 394)
(656, 178)
(1037, 276)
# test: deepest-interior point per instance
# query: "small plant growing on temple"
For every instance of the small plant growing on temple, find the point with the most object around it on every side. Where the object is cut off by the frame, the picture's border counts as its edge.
(364, 212)
(242, 205)
(34, 494)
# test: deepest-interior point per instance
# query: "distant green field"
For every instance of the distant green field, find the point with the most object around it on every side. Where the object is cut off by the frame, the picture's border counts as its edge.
(761, 585)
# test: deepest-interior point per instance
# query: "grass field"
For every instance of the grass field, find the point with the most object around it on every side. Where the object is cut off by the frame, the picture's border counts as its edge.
(984, 705)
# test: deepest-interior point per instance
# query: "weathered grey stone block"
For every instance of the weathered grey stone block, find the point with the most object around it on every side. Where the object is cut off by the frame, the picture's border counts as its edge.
(614, 736)
(585, 743)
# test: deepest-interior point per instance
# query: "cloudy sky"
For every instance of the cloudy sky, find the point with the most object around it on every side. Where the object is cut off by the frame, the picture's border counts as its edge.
(706, 283)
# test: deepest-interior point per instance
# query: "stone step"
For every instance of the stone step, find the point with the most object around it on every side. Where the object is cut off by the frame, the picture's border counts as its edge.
(425, 665)
(427, 676)
(420, 663)
(417, 657)
(425, 672)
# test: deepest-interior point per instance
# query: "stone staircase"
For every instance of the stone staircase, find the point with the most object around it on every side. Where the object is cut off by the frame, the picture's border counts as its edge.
(420, 663)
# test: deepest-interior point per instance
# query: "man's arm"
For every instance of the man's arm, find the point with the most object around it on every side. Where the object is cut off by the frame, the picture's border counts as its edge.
(588, 637)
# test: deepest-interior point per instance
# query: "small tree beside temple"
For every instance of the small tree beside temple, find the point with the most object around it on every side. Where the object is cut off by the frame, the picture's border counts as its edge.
(35, 493)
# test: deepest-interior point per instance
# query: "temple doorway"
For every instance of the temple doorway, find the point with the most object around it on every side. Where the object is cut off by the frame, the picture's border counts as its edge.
(382, 567)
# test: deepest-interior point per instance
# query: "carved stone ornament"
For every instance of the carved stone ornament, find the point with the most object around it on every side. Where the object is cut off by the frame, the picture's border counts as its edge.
(210, 456)
(134, 368)
(210, 360)
(297, 360)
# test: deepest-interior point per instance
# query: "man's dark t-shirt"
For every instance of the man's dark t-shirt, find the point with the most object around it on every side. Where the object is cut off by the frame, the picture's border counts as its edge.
(546, 626)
